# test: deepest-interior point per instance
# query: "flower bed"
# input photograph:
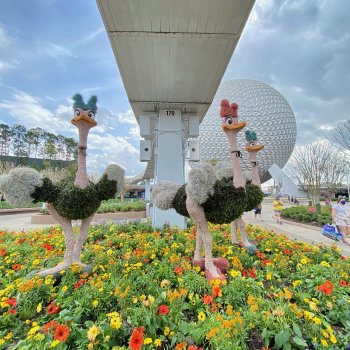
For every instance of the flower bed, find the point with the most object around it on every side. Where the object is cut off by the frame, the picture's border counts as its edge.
(308, 214)
(143, 293)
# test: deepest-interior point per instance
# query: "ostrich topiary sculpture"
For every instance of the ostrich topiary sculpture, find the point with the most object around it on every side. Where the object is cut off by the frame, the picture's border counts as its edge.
(253, 190)
(210, 195)
(70, 199)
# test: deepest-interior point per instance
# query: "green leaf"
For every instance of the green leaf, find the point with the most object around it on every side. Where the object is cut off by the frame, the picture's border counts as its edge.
(297, 330)
(282, 337)
(287, 346)
(299, 341)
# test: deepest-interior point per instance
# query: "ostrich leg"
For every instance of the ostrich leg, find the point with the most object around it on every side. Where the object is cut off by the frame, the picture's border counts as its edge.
(80, 240)
(203, 236)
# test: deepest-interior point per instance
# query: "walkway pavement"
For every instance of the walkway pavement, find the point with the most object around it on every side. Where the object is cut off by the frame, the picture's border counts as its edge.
(296, 231)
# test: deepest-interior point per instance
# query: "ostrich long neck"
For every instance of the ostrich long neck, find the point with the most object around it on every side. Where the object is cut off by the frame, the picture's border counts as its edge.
(81, 178)
(238, 180)
(255, 169)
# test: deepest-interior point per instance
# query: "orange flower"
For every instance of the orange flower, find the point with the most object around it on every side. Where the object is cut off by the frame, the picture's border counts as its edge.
(163, 310)
(53, 309)
(3, 252)
(50, 326)
(12, 311)
(178, 270)
(11, 301)
(194, 347)
(62, 332)
(16, 267)
(343, 283)
(207, 299)
(181, 346)
(216, 291)
(136, 339)
(326, 288)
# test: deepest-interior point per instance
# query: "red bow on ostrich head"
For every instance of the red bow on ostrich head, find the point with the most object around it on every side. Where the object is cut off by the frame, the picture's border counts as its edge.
(227, 109)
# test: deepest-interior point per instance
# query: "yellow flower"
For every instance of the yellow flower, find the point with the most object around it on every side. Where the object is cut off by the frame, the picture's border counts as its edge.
(134, 300)
(54, 343)
(304, 261)
(287, 293)
(317, 320)
(64, 288)
(115, 322)
(324, 342)
(2, 341)
(325, 263)
(151, 299)
(235, 273)
(157, 342)
(268, 276)
(166, 331)
(93, 332)
(39, 337)
(148, 341)
(296, 283)
(39, 308)
(201, 316)
(8, 336)
(95, 303)
(333, 339)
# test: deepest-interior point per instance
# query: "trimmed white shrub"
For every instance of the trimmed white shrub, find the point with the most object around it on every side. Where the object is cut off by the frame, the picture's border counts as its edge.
(19, 184)
(163, 194)
(116, 172)
(201, 180)
(223, 170)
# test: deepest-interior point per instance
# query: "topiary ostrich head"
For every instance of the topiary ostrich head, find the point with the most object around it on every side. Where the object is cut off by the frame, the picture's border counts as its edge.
(252, 144)
(228, 114)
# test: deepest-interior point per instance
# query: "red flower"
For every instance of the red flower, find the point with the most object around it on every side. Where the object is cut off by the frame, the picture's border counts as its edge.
(207, 299)
(16, 267)
(245, 273)
(267, 262)
(53, 309)
(343, 283)
(12, 311)
(287, 252)
(178, 270)
(11, 301)
(252, 273)
(49, 326)
(62, 332)
(136, 339)
(216, 291)
(47, 247)
(3, 252)
(163, 310)
(326, 288)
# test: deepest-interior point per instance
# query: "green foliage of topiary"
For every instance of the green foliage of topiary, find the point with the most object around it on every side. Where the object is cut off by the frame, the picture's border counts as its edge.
(254, 196)
(226, 204)
(75, 203)
(105, 188)
(47, 192)
(179, 202)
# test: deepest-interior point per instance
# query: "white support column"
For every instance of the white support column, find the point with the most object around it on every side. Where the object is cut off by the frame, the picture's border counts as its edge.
(147, 190)
(169, 161)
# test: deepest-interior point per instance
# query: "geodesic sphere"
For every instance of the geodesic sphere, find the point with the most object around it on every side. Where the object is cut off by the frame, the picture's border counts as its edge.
(266, 112)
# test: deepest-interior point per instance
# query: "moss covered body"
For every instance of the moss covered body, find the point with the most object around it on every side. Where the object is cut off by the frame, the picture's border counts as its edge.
(254, 196)
(225, 205)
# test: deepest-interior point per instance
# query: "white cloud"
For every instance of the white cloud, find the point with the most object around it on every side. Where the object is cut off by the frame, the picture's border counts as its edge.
(5, 39)
(87, 39)
(326, 127)
(29, 111)
(57, 52)
(4, 66)
(128, 117)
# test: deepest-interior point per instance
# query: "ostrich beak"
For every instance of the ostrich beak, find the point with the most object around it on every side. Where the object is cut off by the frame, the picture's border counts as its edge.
(235, 126)
(83, 117)
(254, 148)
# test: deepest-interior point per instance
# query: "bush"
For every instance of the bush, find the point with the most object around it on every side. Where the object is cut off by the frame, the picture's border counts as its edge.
(304, 214)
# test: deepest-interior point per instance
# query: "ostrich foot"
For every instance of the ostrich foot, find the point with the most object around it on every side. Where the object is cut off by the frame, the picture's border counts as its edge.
(220, 263)
(56, 270)
(217, 275)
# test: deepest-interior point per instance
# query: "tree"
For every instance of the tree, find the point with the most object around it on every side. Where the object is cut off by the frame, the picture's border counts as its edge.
(34, 138)
(19, 144)
(5, 139)
(70, 147)
(341, 135)
(318, 165)
(50, 142)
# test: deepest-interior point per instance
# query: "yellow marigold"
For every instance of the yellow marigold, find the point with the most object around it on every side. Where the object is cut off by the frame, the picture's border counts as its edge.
(64, 288)
(115, 322)
(8, 336)
(166, 331)
(313, 306)
(325, 263)
(317, 320)
(324, 333)
(268, 276)
(287, 294)
(324, 342)
(212, 333)
(235, 273)
(2, 341)
(148, 341)
(95, 303)
(151, 299)
(304, 261)
(39, 308)
(93, 332)
(201, 316)
(39, 337)
(333, 339)
(297, 282)
(54, 343)
(157, 342)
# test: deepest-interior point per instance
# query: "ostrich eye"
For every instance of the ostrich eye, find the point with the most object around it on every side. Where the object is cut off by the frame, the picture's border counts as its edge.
(252, 143)
(91, 115)
(77, 113)
(229, 120)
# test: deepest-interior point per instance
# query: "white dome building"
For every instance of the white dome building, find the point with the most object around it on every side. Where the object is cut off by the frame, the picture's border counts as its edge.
(266, 112)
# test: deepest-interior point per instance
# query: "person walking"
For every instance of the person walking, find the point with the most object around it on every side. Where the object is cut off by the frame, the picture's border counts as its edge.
(341, 218)
(277, 207)
(257, 212)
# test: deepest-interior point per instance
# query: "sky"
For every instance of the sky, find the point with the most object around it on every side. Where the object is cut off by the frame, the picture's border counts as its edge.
(51, 49)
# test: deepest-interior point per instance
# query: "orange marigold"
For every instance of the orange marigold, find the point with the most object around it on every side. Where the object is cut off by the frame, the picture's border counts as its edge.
(62, 332)
(136, 339)
(326, 288)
